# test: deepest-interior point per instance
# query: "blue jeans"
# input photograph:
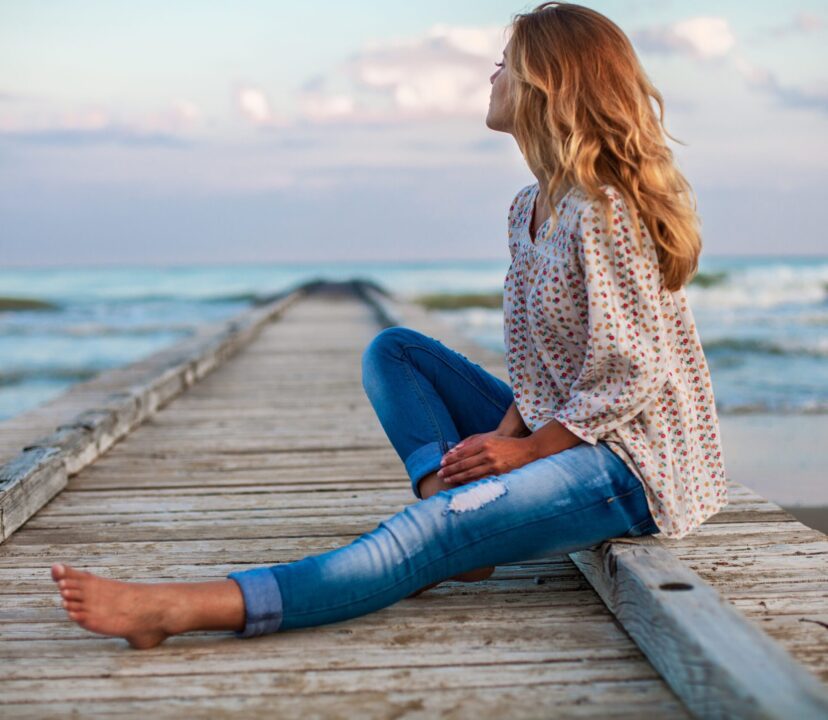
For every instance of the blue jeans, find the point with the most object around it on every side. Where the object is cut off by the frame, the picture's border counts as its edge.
(427, 398)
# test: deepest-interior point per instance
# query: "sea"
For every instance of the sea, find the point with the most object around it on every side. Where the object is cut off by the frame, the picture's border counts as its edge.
(763, 322)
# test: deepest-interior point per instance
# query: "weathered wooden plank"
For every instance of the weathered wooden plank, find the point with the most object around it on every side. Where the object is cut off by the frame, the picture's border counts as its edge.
(739, 555)
(311, 682)
(27, 482)
(40, 471)
(625, 699)
(278, 455)
(716, 661)
(27, 674)
(516, 592)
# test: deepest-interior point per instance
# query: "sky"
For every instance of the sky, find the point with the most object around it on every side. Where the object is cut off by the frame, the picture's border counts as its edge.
(200, 131)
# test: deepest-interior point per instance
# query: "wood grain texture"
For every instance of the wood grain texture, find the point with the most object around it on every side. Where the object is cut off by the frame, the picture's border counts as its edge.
(29, 479)
(277, 454)
(753, 556)
(720, 663)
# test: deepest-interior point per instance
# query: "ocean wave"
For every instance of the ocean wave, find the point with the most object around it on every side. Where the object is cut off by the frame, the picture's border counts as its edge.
(251, 298)
(41, 374)
(42, 305)
(95, 330)
(762, 287)
(764, 347)
(485, 327)
(709, 279)
(802, 406)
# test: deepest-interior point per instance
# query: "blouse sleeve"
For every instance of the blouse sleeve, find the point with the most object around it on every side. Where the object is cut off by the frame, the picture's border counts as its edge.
(624, 365)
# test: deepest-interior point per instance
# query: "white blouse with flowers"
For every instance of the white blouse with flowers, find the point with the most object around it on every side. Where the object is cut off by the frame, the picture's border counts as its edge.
(595, 342)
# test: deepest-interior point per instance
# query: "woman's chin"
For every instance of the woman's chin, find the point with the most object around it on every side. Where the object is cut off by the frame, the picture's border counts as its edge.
(493, 124)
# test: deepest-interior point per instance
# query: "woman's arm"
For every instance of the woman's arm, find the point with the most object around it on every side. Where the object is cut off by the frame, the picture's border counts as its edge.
(512, 423)
(627, 358)
(546, 440)
(550, 439)
(510, 446)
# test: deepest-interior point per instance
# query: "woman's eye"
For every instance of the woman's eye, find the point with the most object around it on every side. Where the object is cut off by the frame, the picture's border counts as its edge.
(500, 64)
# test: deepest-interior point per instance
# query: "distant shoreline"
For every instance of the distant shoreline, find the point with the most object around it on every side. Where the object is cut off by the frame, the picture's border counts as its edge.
(18, 303)
(432, 301)
(494, 300)
(257, 262)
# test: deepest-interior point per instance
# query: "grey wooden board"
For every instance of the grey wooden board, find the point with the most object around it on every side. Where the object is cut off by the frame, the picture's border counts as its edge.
(60, 440)
(752, 553)
(275, 455)
(21, 429)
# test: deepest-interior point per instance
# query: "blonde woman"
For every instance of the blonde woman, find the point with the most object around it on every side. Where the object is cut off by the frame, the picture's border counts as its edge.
(608, 425)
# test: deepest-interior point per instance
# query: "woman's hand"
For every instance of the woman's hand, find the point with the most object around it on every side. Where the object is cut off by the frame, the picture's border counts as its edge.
(490, 453)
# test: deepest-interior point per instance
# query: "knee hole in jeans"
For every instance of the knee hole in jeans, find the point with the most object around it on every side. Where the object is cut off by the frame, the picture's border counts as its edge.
(477, 496)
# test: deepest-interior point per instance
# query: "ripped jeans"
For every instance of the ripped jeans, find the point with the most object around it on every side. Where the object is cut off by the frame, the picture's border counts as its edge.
(427, 398)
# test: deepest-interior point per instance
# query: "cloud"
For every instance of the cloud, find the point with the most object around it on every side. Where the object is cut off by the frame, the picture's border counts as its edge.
(711, 39)
(701, 37)
(803, 23)
(254, 106)
(109, 135)
(182, 117)
(187, 112)
(166, 128)
(787, 95)
(445, 71)
(318, 104)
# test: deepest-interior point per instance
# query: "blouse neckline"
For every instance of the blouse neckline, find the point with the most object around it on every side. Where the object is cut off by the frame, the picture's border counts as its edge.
(542, 230)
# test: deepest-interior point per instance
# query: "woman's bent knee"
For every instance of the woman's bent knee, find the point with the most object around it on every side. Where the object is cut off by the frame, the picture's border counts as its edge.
(386, 345)
(389, 340)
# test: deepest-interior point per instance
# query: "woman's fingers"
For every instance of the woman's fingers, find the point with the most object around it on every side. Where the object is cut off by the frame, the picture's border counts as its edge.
(466, 477)
(467, 449)
(451, 464)
(466, 470)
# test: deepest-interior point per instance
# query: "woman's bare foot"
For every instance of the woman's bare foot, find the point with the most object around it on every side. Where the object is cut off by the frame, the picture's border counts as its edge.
(146, 614)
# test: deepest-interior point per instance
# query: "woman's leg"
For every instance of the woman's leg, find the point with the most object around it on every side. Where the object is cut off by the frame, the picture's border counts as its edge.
(564, 502)
(428, 397)
(145, 614)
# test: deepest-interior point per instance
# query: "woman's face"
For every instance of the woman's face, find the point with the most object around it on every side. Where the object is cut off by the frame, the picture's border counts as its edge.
(499, 116)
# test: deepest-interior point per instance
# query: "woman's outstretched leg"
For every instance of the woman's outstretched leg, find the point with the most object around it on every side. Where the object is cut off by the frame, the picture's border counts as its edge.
(146, 614)
(571, 500)
(427, 396)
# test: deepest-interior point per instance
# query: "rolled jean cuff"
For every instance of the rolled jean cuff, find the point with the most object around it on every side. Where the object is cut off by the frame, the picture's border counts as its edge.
(425, 460)
(262, 601)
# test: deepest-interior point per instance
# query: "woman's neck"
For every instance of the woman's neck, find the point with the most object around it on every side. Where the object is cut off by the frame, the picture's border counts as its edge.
(543, 208)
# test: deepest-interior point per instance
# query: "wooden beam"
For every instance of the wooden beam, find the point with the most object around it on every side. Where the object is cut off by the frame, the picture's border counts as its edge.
(41, 469)
(718, 662)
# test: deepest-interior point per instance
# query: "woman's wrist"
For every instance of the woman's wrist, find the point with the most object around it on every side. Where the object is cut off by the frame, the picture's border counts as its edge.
(512, 424)
(513, 430)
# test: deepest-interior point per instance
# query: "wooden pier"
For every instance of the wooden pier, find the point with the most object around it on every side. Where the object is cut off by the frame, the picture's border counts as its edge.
(253, 443)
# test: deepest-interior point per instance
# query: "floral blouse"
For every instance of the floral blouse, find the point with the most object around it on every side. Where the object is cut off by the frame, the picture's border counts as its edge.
(595, 342)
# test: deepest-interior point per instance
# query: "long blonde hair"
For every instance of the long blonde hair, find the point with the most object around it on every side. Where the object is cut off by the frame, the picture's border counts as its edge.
(582, 114)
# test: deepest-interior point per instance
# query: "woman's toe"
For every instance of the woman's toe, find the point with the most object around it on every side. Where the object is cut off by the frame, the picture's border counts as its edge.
(58, 571)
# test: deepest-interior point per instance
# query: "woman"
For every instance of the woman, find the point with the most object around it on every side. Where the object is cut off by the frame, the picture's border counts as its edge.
(608, 426)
